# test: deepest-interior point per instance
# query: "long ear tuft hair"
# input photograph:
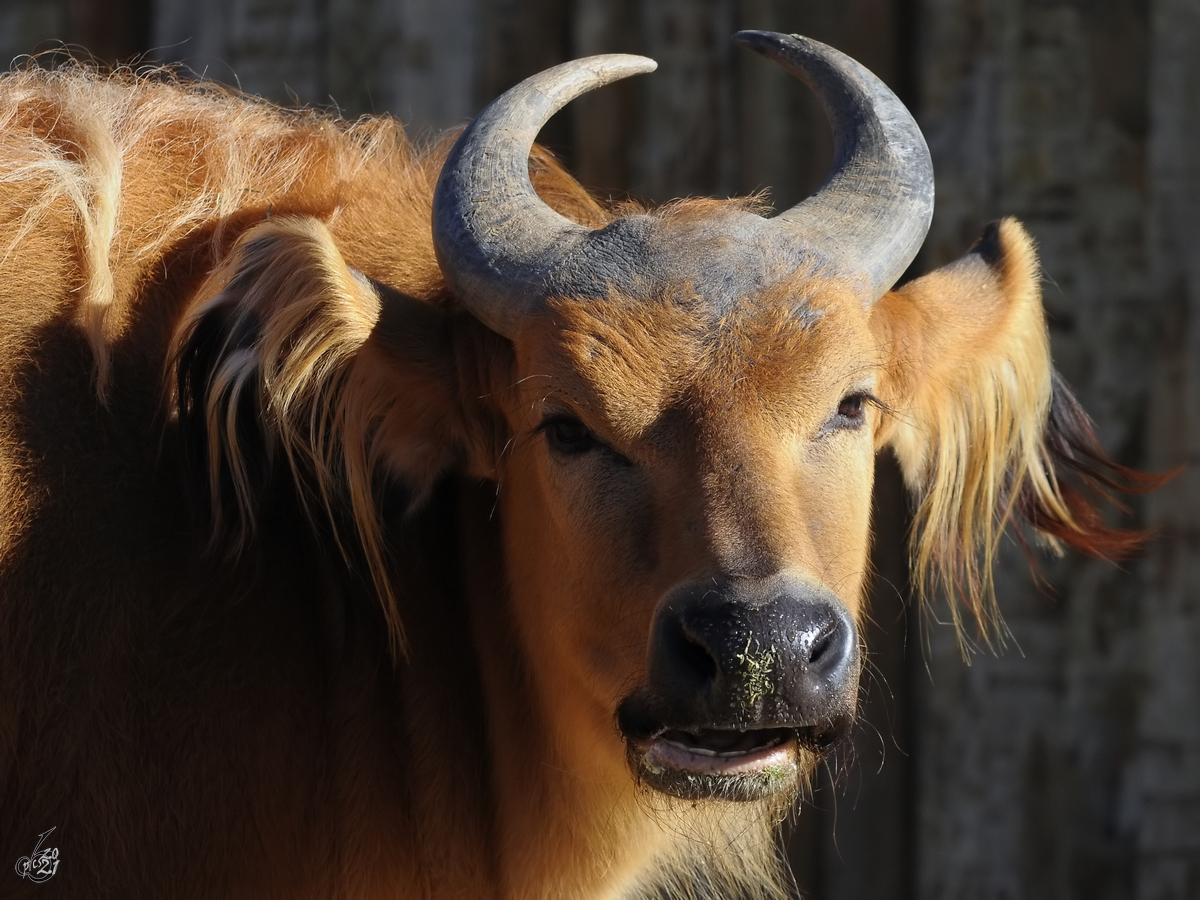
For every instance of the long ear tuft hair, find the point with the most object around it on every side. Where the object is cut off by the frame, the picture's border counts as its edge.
(1066, 508)
(269, 364)
(987, 433)
(220, 416)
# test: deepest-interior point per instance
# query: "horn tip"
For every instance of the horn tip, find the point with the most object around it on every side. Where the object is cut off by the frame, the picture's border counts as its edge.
(761, 41)
(773, 44)
(615, 66)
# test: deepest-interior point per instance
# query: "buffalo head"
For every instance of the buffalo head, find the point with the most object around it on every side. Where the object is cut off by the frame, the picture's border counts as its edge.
(694, 402)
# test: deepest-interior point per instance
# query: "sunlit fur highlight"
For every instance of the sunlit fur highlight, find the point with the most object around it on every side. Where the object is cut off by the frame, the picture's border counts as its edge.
(979, 422)
(78, 144)
(971, 425)
(304, 317)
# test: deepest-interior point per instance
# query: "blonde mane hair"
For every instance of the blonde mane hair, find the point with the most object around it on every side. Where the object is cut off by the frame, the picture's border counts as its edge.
(138, 162)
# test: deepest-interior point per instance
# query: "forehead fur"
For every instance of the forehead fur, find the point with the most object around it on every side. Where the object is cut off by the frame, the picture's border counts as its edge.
(724, 250)
(630, 358)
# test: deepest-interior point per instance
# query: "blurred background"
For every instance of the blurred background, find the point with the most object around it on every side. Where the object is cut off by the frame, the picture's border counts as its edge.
(1067, 766)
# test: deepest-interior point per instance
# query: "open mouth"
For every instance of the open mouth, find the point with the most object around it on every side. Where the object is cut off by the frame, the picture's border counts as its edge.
(725, 764)
(722, 752)
(724, 761)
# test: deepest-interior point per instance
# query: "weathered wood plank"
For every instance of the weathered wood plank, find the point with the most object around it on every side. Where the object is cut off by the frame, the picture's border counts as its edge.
(1164, 792)
(1031, 775)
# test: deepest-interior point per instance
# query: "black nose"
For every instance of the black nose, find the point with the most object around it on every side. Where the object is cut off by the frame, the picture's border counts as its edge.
(741, 653)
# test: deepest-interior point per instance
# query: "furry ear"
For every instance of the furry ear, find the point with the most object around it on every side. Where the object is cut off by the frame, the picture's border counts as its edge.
(289, 353)
(983, 427)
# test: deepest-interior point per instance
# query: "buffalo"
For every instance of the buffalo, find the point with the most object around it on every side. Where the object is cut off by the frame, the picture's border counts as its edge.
(383, 521)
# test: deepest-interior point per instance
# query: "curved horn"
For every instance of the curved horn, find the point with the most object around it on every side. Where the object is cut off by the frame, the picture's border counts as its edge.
(873, 211)
(495, 239)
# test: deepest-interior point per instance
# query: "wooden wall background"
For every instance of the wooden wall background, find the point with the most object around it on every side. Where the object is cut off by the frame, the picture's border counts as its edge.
(1069, 765)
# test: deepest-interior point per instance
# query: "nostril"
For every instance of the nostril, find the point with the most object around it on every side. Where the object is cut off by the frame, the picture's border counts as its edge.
(697, 658)
(680, 660)
(830, 649)
(822, 645)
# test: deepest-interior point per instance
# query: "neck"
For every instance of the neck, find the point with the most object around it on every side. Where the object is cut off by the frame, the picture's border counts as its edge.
(568, 820)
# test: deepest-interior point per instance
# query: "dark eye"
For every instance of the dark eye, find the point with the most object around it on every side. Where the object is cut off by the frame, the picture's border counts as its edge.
(568, 436)
(851, 407)
(850, 412)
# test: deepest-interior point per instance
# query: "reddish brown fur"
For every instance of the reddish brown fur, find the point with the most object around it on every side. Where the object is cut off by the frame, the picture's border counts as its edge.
(1085, 474)
(381, 656)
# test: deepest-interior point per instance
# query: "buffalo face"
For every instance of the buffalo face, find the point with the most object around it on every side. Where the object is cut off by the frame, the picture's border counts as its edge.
(686, 513)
